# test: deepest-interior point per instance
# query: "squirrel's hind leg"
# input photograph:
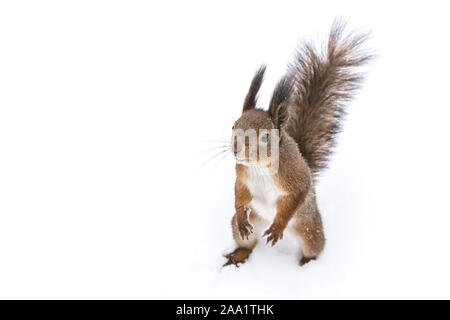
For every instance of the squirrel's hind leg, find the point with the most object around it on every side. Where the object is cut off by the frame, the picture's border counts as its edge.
(307, 227)
(245, 245)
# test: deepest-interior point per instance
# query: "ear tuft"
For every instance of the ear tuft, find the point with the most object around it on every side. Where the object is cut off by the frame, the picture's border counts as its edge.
(250, 99)
(278, 108)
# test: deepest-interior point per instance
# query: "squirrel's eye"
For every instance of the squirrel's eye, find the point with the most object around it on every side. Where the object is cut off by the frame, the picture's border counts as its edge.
(265, 138)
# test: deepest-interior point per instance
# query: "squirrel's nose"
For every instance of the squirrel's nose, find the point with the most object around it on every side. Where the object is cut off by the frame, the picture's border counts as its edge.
(236, 150)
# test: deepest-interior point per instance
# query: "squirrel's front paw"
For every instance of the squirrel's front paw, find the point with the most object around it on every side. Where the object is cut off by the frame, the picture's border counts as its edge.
(274, 234)
(245, 228)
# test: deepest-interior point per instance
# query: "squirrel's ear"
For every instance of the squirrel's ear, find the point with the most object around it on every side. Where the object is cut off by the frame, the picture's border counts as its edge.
(278, 108)
(250, 99)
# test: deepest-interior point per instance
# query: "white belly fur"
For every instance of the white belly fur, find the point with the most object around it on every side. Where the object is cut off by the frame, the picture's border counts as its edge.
(264, 192)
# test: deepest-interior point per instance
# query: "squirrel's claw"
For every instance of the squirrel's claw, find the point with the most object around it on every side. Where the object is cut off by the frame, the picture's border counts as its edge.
(237, 257)
(230, 260)
(273, 235)
(245, 229)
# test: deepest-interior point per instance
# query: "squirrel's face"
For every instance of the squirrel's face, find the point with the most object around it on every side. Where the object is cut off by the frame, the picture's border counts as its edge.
(256, 133)
(253, 135)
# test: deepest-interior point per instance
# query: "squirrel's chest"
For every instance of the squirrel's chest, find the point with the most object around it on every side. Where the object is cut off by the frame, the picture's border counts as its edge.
(264, 192)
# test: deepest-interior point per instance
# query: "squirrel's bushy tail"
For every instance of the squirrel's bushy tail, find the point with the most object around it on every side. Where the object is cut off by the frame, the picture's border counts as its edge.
(324, 84)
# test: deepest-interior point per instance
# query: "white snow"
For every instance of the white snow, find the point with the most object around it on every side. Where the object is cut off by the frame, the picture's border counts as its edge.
(106, 109)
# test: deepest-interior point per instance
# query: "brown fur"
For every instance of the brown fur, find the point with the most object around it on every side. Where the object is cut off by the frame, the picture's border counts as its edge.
(250, 99)
(324, 84)
(306, 106)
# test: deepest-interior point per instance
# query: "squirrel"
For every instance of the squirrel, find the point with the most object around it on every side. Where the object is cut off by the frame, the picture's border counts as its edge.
(304, 115)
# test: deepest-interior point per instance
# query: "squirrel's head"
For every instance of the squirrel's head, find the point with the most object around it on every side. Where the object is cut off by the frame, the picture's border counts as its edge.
(256, 134)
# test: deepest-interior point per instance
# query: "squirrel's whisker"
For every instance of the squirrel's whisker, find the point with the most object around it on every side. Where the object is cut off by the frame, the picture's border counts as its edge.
(212, 149)
(215, 141)
(218, 161)
(214, 157)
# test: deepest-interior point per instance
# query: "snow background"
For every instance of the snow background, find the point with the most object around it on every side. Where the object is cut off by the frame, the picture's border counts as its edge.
(107, 108)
